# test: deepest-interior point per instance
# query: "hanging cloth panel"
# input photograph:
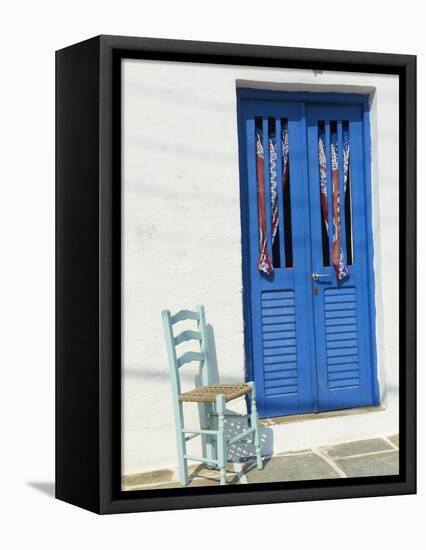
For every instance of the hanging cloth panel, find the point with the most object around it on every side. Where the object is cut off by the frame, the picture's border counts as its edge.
(323, 181)
(346, 153)
(340, 266)
(264, 263)
(336, 247)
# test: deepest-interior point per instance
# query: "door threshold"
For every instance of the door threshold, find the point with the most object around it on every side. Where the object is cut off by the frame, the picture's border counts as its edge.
(276, 420)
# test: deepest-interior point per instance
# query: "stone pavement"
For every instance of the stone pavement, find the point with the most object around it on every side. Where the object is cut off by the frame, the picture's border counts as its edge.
(367, 457)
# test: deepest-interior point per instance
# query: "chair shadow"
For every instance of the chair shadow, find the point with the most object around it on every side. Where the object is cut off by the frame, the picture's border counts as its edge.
(46, 487)
(244, 452)
(238, 452)
(241, 452)
(201, 472)
(251, 464)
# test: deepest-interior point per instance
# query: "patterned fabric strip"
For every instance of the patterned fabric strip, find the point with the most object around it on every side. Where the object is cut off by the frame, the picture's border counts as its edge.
(346, 152)
(323, 181)
(340, 266)
(337, 258)
(264, 263)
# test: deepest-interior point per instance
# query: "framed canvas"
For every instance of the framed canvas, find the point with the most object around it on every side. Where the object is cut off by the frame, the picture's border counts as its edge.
(235, 274)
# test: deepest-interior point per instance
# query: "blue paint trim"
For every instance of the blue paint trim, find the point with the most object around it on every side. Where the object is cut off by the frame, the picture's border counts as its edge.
(370, 244)
(307, 177)
(255, 281)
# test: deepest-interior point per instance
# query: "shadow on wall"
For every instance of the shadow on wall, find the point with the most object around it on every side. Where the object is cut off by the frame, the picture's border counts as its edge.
(140, 372)
(214, 369)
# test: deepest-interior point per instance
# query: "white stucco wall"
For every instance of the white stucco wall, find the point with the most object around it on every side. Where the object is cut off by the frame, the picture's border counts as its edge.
(182, 241)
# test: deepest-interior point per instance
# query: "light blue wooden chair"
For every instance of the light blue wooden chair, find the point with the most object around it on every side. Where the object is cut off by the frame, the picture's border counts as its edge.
(212, 397)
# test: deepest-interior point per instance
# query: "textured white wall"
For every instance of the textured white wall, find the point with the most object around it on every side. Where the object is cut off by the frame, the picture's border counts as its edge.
(182, 240)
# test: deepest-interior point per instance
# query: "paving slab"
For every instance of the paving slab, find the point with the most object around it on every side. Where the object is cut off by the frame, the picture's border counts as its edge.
(177, 485)
(155, 476)
(202, 472)
(368, 457)
(379, 464)
(356, 448)
(394, 439)
(292, 468)
(201, 469)
(231, 479)
(299, 452)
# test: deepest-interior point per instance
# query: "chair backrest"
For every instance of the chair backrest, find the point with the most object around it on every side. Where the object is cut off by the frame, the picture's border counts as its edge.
(202, 355)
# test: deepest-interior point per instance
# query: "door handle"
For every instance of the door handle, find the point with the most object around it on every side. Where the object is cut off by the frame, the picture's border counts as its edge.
(318, 276)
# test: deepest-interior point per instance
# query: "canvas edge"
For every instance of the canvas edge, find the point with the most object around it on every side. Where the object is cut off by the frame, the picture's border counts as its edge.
(106, 447)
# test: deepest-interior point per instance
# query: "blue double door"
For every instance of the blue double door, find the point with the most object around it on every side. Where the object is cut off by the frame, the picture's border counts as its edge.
(307, 251)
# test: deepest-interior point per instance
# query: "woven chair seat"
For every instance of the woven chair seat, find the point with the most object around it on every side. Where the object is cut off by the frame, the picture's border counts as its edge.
(205, 394)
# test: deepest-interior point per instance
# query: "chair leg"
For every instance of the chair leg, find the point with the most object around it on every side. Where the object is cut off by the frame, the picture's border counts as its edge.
(221, 438)
(210, 439)
(255, 424)
(181, 444)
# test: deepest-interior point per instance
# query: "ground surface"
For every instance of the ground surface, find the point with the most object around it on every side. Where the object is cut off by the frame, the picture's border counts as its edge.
(368, 457)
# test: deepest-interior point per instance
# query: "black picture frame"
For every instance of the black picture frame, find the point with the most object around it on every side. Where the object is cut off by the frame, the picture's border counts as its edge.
(88, 272)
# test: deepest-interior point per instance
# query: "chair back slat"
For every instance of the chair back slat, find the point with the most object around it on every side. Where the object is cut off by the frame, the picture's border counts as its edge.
(184, 315)
(202, 354)
(190, 356)
(187, 335)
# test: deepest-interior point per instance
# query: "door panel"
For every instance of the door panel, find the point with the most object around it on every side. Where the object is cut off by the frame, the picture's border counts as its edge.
(309, 341)
(281, 309)
(341, 307)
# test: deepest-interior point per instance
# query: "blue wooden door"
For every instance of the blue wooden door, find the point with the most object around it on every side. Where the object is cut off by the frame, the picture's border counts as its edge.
(344, 309)
(309, 336)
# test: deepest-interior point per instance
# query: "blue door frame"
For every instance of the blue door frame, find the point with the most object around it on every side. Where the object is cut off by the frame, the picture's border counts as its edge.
(310, 345)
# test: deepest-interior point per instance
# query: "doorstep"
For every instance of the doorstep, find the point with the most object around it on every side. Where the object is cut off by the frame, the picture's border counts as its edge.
(291, 419)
